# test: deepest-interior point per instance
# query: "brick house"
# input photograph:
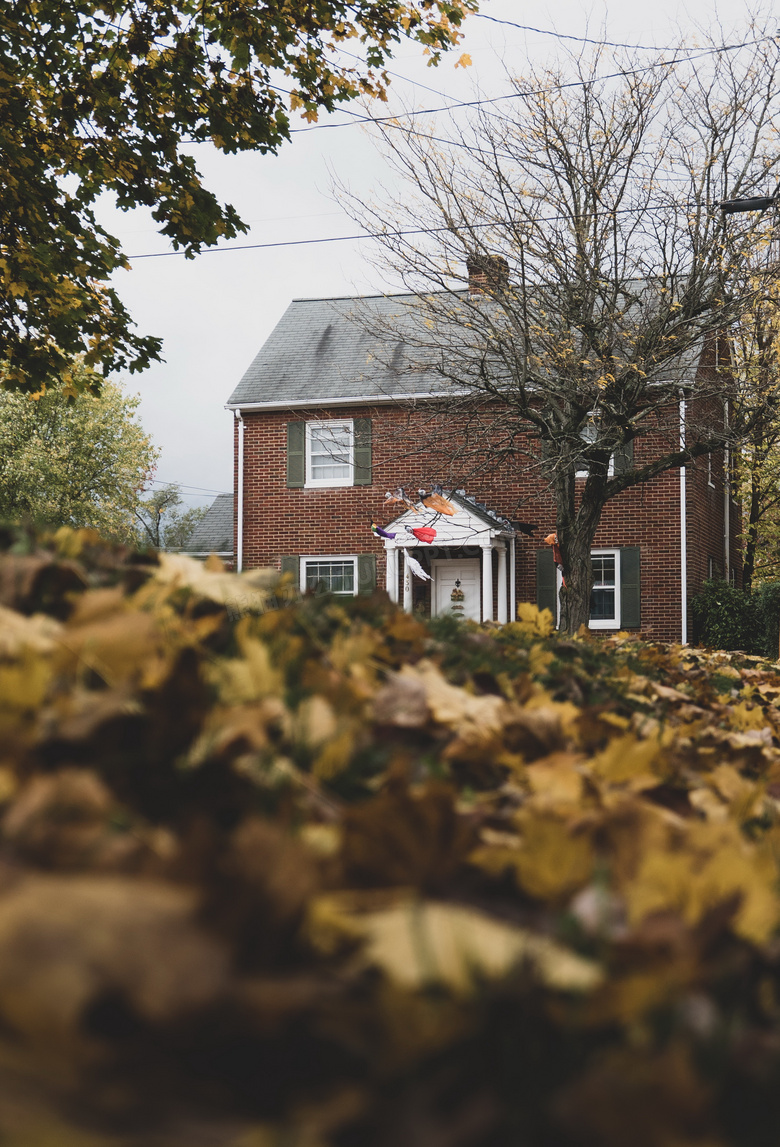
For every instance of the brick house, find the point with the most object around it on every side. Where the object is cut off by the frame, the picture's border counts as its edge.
(329, 417)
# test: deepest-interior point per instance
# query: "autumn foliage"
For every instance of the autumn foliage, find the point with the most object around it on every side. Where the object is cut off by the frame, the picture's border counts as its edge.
(317, 873)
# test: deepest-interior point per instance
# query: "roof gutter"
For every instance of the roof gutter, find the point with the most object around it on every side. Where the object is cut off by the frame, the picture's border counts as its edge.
(357, 400)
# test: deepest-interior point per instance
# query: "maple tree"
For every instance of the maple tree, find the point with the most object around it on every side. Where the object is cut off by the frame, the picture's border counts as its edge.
(315, 871)
(756, 462)
(102, 96)
(587, 210)
(74, 459)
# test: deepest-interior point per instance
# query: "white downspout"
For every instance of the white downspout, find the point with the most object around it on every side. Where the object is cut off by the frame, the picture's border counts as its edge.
(512, 581)
(683, 534)
(727, 497)
(240, 497)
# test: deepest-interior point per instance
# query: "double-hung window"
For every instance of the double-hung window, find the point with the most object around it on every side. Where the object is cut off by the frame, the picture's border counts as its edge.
(605, 595)
(330, 453)
(615, 601)
(336, 575)
(589, 434)
(622, 459)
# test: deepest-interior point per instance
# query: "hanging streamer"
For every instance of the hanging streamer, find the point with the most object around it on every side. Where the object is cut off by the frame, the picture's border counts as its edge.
(379, 532)
(399, 498)
(439, 504)
(552, 540)
(423, 533)
(415, 567)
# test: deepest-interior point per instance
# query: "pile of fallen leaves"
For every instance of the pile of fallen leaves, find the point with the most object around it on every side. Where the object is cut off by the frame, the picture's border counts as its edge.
(315, 873)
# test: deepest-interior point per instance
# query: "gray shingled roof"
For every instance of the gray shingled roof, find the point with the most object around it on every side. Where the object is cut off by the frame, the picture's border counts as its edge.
(320, 349)
(370, 347)
(214, 532)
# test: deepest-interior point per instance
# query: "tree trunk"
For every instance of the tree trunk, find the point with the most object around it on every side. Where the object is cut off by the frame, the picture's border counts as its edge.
(751, 530)
(576, 531)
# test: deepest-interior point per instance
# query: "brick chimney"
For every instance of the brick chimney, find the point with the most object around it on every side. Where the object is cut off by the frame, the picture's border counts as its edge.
(488, 274)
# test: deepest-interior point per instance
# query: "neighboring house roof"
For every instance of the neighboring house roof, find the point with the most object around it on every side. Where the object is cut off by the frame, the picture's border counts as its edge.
(321, 349)
(214, 532)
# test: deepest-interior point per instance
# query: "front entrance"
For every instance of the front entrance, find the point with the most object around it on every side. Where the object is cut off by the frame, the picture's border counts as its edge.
(456, 588)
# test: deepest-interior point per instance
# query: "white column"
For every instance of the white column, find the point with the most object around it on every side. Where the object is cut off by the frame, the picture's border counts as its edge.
(408, 602)
(512, 581)
(487, 582)
(502, 585)
(391, 572)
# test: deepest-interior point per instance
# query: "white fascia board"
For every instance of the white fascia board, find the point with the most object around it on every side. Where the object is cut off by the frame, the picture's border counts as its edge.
(358, 400)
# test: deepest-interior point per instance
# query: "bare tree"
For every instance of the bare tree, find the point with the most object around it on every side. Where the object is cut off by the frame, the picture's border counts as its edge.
(162, 523)
(588, 208)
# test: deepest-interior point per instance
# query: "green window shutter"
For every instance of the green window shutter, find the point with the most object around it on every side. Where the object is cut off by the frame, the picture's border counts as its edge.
(366, 568)
(362, 451)
(292, 566)
(296, 469)
(546, 581)
(630, 594)
(624, 457)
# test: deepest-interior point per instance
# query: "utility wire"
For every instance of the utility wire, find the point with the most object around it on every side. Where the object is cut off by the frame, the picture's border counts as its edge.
(578, 39)
(622, 73)
(185, 486)
(384, 234)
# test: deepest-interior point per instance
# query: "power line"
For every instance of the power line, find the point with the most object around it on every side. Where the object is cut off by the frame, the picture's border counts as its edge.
(382, 235)
(622, 73)
(181, 486)
(578, 39)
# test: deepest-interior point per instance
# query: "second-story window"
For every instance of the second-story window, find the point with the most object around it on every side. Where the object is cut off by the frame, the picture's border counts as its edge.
(329, 453)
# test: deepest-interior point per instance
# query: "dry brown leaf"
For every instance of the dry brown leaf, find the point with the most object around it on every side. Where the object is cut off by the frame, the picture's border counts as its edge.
(421, 944)
(67, 942)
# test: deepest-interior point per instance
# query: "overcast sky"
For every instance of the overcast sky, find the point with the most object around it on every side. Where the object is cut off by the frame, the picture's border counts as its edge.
(215, 312)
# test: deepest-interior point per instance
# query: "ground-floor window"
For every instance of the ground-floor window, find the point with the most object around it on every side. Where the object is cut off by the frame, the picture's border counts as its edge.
(329, 575)
(605, 595)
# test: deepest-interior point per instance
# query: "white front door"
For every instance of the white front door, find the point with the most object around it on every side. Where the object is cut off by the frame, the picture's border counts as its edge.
(456, 588)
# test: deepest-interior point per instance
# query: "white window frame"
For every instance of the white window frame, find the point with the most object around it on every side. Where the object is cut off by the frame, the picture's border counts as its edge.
(343, 558)
(589, 442)
(601, 551)
(311, 482)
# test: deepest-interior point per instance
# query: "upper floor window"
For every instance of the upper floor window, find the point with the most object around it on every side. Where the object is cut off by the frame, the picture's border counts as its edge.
(330, 453)
(589, 434)
(622, 459)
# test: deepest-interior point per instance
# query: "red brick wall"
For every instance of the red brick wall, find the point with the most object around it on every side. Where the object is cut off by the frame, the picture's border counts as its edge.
(280, 521)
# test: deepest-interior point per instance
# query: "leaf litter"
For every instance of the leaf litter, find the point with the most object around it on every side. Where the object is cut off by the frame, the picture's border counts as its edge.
(317, 873)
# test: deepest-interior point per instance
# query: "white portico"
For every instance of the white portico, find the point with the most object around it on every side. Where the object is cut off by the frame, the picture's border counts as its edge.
(466, 579)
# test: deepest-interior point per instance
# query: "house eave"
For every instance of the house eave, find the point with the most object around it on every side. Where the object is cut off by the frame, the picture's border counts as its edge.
(354, 400)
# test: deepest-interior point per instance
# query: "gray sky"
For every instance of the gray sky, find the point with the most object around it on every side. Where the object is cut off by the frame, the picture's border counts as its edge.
(214, 312)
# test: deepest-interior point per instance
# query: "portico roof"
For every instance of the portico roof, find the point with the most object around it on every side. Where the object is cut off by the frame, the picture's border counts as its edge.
(473, 524)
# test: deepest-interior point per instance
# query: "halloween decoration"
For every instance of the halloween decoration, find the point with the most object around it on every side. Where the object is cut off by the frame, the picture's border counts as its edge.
(416, 568)
(438, 503)
(552, 540)
(423, 533)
